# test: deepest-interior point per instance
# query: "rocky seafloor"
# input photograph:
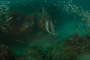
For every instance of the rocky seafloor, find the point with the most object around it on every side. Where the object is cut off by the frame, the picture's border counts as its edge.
(75, 47)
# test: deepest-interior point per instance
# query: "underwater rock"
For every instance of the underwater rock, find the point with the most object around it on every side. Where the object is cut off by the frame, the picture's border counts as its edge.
(18, 24)
(76, 40)
(33, 53)
(73, 46)
(6, 53)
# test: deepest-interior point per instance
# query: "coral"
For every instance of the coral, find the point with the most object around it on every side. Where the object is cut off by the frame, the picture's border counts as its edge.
(6, 53)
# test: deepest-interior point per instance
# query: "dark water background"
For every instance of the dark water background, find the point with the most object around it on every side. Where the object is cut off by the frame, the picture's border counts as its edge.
(69, 17)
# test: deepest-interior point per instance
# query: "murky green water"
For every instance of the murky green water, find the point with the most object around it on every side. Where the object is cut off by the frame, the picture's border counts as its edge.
(44, 30)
